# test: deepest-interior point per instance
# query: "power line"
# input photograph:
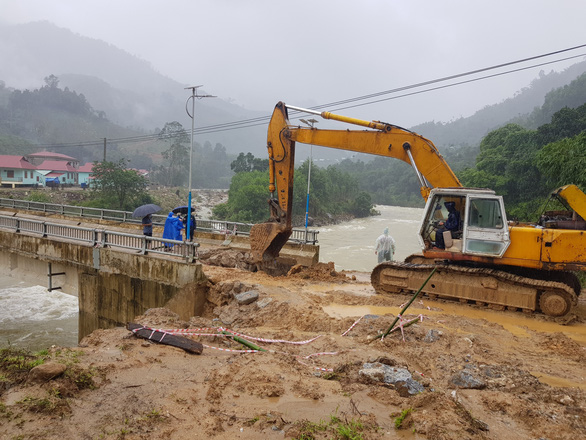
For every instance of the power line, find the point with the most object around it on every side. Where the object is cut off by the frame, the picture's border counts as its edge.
(337, 105)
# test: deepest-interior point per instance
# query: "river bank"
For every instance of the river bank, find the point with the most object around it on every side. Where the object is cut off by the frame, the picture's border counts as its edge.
(480, 374)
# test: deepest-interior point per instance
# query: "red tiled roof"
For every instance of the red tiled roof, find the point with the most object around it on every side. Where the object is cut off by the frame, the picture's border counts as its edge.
(54, 174)
(56, 165)
(50, 154)
(20, 162)
(86, 168)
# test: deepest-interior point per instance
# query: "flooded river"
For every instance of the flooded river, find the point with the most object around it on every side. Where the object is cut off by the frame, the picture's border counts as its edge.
(351, 245)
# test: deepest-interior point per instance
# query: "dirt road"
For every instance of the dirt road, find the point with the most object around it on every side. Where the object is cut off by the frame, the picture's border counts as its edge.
(463, 372)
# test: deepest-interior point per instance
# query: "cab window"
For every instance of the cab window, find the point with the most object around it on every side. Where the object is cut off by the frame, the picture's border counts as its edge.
(485, 213)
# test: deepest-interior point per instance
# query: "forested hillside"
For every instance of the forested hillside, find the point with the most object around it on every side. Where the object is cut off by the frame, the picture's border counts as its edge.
(392, 182)
(51, 115)
(127, 89)
(526, 165)
(54, 116)
(545, 95)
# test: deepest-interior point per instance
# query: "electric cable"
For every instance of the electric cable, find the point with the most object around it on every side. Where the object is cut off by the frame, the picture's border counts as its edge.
(336, 105)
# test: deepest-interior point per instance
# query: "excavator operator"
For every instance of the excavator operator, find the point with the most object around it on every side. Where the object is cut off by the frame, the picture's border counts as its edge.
(453, 222)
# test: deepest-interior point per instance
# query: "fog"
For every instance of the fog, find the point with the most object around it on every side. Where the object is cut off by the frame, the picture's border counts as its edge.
(257, 52)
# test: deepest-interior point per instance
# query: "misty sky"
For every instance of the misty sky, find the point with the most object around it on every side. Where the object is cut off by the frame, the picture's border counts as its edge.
(258, 52)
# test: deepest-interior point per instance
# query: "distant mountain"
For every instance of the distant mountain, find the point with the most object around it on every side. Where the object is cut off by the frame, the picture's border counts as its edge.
(127, 89)
(530, 100)
(133, 94)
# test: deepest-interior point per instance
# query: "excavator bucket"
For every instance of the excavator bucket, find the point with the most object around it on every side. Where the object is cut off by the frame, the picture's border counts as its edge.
(267, 239)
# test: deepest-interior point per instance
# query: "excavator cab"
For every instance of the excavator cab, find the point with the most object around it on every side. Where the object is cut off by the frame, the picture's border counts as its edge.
(465, 221)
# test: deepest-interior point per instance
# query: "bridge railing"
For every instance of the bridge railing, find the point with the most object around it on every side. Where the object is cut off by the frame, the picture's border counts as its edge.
(102, 237)
(299, 235)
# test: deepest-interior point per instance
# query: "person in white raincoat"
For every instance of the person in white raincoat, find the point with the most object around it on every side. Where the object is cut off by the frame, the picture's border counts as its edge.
(385, 247)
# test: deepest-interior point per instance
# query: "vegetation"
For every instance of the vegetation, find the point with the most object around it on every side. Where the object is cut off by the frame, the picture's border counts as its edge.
(38, 196)
(332, 193)
(117, 187)
(51, 115)
(525, 165)
(526, 149)
(340, 429)
(16, 363)
(400, 419)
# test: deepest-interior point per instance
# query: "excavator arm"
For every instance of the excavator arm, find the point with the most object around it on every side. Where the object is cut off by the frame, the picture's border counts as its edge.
(382, 139)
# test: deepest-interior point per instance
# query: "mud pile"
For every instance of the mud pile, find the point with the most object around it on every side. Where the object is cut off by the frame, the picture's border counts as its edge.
(322, 374)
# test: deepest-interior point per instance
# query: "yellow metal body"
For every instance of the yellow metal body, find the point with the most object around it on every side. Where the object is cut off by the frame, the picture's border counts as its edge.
(574, 197)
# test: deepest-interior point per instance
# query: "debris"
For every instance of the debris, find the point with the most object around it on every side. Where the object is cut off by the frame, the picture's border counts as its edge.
(431, 336)
(46, 372)
(464, 379)
(186, 344)
(246, 297)
(399, 377)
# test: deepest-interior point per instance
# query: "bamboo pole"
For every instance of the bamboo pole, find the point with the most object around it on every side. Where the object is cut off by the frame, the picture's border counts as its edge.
(406, 306)
(243, 341)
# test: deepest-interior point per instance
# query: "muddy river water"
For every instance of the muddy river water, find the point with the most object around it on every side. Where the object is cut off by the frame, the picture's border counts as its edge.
(351, 245)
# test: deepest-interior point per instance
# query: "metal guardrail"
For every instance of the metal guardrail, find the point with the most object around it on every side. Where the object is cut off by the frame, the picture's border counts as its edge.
(218, 226)
(102, 237)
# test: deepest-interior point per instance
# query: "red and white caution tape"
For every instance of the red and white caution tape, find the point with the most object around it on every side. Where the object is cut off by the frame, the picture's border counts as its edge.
(352, 326)
(230, 350)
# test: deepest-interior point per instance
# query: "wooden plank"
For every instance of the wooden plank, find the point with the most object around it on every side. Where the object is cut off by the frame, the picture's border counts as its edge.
(189, 345)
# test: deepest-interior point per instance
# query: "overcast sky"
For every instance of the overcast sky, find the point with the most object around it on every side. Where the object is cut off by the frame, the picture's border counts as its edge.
(257, 52)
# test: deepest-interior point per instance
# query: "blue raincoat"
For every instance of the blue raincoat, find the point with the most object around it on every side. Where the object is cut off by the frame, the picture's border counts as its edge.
(172, 229)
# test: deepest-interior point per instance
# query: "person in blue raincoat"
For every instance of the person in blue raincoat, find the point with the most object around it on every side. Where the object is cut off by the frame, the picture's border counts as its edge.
(172, 229)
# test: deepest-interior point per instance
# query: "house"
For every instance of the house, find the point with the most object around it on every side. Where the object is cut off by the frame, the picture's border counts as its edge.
(84, 174)
(61, 169)
(44, 168)
(18, 171)
(40, 157)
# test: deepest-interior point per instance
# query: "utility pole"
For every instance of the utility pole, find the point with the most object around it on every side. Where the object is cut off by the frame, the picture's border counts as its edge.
(309, 122)
(193, 96)
(104, 149)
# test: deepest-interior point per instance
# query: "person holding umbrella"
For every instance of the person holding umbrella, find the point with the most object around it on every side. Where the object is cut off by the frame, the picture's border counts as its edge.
(146, 212)
(192, 226)
(147, 225)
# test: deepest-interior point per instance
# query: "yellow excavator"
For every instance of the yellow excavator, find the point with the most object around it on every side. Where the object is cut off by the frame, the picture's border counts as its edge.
(481, 258)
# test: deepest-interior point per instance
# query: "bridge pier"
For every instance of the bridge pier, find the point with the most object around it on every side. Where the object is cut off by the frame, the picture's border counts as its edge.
(113, 286)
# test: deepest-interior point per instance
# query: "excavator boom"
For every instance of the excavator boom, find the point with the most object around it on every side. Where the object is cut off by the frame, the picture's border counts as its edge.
(382, 139)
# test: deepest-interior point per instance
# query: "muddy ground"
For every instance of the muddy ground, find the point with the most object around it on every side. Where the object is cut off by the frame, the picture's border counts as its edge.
(480, 374)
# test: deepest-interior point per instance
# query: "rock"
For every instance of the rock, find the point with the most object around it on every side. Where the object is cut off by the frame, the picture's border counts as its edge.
(227, 317)
(431, 336)
(46, 372)
(264, 302)
(399, 377)
(464, 379)
(246, 297)
(566, 400)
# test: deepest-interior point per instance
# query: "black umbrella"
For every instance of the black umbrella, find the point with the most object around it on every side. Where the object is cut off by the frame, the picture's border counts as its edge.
(183, 210)
(144, 210)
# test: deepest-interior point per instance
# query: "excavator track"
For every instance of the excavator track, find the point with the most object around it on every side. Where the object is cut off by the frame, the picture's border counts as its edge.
(495, 288)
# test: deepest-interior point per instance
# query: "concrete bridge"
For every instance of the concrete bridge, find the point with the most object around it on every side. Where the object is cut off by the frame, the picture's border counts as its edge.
(116, 273)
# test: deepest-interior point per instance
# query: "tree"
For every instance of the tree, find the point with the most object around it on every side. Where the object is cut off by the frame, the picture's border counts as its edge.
(247, 163)
(564, 162)
(177, 156)
(247, 198)
(117, 187)
(51, 81)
